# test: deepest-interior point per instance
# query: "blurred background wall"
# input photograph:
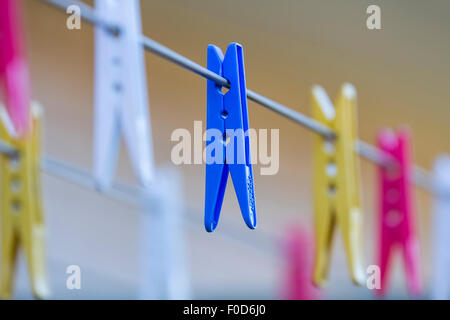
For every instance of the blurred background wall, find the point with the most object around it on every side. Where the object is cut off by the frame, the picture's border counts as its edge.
(400, 73)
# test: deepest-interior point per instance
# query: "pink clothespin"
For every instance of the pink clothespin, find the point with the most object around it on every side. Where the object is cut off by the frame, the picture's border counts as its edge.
(397, 227)
(298, 248)
(14, 75)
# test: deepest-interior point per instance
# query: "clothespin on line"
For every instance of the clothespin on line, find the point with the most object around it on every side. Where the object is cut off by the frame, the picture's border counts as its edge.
(337, 183)
(22, 221)
(396, 211)
(440, 280)
(228, 144)
(298, 249)
(164, 259)
(122, 108)
(14, 76)
(121, 99)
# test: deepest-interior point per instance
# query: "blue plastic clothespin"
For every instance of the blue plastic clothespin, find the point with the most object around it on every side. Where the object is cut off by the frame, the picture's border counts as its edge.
(227, 114)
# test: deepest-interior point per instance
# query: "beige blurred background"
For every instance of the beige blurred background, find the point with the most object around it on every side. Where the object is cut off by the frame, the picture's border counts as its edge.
(401, 75)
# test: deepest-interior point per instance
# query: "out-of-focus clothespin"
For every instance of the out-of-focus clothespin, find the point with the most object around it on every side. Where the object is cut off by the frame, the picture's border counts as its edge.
(396, 210)
(228, 143)
(337, 182)
(298, 248)
(164, 258)
(22, 221)
(440, 280)
(14, 77)
(121, 99)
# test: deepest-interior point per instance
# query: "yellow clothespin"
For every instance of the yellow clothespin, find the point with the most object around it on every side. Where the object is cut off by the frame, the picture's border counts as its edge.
(336, 183)
(21, 208)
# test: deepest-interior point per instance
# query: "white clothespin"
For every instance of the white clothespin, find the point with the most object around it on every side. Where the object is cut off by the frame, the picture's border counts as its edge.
(164, 262)
(440, 286)
(121, 100)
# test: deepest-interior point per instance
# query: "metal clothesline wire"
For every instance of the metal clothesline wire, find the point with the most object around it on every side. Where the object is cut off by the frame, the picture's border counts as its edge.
(7, 149)
(366, 150)
(420, 176)
(264, 242)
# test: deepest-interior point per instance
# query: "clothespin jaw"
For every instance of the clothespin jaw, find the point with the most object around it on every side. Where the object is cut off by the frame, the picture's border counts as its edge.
(396, 212)
(336, 183)
(440, 280)
(228, 143)
(121, 99)
(22, 221)
(14, 77)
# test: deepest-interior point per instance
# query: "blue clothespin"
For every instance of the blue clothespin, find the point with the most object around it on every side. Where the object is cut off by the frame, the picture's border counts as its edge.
(228, 146)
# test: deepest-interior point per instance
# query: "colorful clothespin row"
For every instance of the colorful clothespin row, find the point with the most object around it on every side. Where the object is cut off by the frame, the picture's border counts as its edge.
(298, 248)
(336, 183)
(22, 221)
(228, 143)
(14, 75)
(396, 210)
(121, 100)
(440, 280)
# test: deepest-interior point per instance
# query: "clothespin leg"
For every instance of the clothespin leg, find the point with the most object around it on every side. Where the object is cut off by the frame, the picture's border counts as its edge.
(107, 143)
(216, 175)
(352, 244)
(36, 254)
(235, 101)
(9, 257)
(324, 186)
(298, 250)
(411, 258)
(383, 260)
(214, 194)
(440, 282)
(10, 240)
(243, 184)
(348, 180)
(324, 238)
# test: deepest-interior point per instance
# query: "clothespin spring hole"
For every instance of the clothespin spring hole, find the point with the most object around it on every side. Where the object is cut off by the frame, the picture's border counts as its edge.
(117, 61)
(14, 164)
(226, 139)
(393, 218)
(16, 185)
(331, 169)
(16, 206)
(224, 114)
(117, 86)
(224, 90)
(331, 190)
(328, 147)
